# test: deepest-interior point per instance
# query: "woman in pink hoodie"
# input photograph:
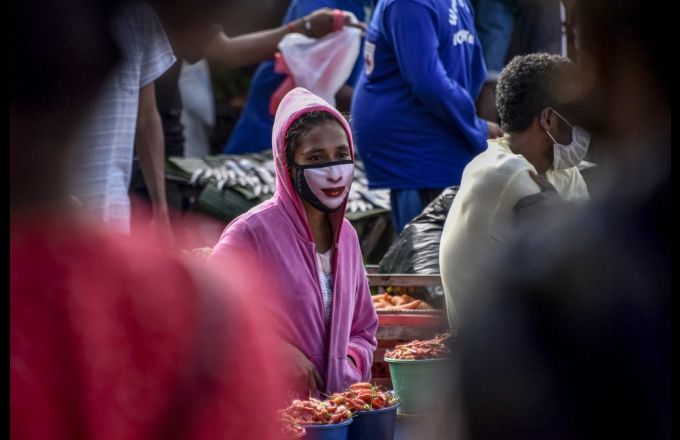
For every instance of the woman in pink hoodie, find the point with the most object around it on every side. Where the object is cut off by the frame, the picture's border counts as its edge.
(300, 242)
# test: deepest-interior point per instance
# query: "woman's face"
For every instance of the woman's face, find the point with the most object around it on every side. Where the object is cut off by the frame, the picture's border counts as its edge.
(326, 143)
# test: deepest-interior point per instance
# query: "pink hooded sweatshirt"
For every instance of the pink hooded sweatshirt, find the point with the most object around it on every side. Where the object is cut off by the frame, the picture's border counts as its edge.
(278, 238)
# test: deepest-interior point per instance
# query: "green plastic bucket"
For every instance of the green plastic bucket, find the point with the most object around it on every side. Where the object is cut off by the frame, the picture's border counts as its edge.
(419, 384)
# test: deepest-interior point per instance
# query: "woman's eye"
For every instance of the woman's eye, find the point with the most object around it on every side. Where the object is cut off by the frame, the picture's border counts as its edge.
(343, 155)
(316, 158)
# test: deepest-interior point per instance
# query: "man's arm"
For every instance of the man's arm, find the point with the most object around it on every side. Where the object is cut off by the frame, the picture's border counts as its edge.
(256, 47)
(150, 147)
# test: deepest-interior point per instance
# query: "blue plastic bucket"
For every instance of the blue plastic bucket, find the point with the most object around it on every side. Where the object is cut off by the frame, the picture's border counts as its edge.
(336, 431)
(378, 424)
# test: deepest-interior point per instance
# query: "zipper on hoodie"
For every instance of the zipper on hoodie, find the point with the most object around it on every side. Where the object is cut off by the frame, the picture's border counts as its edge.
(334, 266)
(323, 309)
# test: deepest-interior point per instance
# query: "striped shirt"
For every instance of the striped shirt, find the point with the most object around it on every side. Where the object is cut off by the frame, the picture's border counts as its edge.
(102, 160)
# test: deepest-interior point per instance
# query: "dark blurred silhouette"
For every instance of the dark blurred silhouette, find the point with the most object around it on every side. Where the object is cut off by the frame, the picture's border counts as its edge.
(570, 339)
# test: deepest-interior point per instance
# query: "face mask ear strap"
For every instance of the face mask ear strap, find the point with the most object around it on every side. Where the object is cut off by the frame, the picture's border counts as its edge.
(551, 137)
(544, 125)
(563, 118)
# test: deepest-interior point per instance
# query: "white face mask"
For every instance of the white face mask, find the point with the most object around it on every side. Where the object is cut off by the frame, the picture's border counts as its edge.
(568, 156)
(325, 186)
(330, 184)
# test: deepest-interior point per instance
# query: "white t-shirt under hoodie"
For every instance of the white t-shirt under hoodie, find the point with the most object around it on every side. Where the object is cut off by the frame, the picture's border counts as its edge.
(323, 261)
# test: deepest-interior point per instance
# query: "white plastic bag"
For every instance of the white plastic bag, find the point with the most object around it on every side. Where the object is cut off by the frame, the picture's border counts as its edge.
(322, 65)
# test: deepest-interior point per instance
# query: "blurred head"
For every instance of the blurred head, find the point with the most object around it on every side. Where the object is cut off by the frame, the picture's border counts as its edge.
(626, 67)
(530, 98)
(319, 160)
(60, 53)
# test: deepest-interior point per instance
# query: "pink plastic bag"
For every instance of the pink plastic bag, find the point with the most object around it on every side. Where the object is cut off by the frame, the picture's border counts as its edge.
(321, 66)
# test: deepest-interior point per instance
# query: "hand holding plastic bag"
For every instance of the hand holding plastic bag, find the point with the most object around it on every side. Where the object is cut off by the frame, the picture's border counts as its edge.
(321, 65)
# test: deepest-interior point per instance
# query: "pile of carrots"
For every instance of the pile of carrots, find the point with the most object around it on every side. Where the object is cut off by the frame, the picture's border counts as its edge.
(338, 408)
(364, 397)
(435, 348)
(386, 301)
(315, 412)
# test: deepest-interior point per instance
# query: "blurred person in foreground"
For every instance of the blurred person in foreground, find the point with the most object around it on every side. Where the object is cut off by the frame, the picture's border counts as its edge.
(503, 186)
(571, 339)
(110, 338)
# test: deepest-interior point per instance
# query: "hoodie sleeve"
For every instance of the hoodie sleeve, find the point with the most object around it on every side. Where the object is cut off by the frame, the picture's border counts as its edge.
(412, 30)
(238, 243)
(362, 342)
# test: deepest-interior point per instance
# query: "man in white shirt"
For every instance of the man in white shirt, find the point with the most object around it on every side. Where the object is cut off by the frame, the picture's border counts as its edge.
(520, 173)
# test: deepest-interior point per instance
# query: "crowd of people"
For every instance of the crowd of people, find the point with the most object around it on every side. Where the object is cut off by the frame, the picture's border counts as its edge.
(561, 292)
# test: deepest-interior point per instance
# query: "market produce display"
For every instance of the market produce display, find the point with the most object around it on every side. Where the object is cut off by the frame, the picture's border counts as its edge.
(385, 301)
(364, 397)
(416, 350)
(315, 412)
(338, 408)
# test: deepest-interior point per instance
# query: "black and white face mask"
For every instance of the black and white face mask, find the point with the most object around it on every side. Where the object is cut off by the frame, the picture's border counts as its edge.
(324, 186)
